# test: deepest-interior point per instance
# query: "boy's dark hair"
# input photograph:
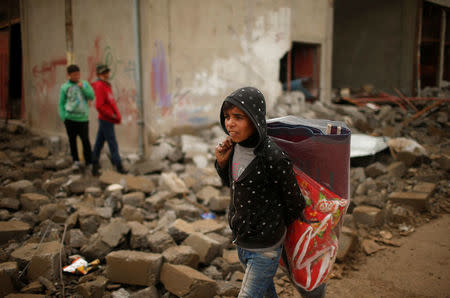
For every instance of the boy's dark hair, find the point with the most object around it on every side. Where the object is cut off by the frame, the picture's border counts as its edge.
(72, 68)
(227, 106)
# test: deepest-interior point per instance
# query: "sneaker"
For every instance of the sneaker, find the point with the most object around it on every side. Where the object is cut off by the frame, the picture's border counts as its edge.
(121, 170)
(76, 165)
(95, 169)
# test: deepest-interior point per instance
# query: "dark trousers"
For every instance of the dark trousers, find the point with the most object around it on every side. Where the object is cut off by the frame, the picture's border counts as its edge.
(74, 129)
(106, 133)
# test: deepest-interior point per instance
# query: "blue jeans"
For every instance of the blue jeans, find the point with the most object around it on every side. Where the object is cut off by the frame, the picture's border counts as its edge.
(260, 268)
(106, 133)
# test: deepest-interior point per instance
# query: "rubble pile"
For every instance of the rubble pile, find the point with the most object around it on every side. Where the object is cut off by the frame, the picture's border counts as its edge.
(161, 230)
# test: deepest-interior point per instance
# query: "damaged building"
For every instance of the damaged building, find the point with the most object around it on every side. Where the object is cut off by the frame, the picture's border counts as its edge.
(172, 62)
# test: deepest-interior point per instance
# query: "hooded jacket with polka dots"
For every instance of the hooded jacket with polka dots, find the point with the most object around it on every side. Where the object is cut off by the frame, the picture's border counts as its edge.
(265, 199)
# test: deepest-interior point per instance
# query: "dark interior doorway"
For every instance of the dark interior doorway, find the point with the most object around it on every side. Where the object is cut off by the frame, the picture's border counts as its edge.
(15, 73)
(303, 69)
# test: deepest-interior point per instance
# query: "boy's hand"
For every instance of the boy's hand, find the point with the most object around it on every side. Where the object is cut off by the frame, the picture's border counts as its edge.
(223, 151)
(80, 84)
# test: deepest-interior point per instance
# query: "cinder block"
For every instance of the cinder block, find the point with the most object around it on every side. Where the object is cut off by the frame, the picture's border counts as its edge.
(206, 247)
(417, 200)
(368, 215)
(8, 273)
(12, 230)
(184, 281)
(182, 255)
(180, 230)
(33, 201)
(133, 267)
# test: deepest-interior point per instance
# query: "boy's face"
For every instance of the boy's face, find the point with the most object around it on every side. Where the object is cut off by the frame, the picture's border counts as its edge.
(104, 76)
(74, 76)
(238, 125)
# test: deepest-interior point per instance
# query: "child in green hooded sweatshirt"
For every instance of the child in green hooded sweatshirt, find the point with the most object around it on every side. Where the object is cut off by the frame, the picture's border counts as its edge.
(74, 112)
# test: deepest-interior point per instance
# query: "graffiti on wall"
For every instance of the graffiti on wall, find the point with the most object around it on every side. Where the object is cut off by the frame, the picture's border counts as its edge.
(44, 84)
(178, 103)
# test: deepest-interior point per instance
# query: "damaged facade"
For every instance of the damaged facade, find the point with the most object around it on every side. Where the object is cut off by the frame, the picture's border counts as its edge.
(393, 44)
(172, 61)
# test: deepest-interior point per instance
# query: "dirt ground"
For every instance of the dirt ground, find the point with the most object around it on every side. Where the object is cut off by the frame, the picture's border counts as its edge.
(419, 268)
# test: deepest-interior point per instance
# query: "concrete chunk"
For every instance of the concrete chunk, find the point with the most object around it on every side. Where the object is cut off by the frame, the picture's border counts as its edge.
(10, 203)
(139, 233)
(180, 230)
(348, 239)
(32, 201)
(133, 267)
(367, 215)
(12, 230)
(14, 189)
(95, 288)
(417, 200)
(207, 226)
(181, 255)
(135, 199)
(219, 204)
(8, 273)
(374, 170)
(425, 187)
(160, 241)
(206, 247)
(114, 232)
(187, 282)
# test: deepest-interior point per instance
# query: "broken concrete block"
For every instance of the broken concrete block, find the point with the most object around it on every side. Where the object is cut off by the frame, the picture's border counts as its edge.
(425, 187)
(374, 170)
(120, 293)
(370, 246)
(95, 248)
(156, 202)
(159, 241)
(151, 292)
(348, 240)
(8, 273)
(185, 281)
(111, 177)
(77, 184)
(171, 182)
(207, 193)
(139, 183)
(139, 233)
(56, 212)
(93, 191)
(366, 186)
(114, 232)
(135, 199)
(14, 189)
(130, 213)
(104, 212)
(133, 267)
(10, 203)
(396, 169)
(231, 256)
(367, 215)
(10, 230)
(33, 287)
(76, 238)
(406, 150)
(228, 288)
(223, 241)
(208, 226)
(181, 255)
(219, 204)
(206, 247)
(416, 200)
(43, 258)
(25, 296)
(89, 224)
(40, 152)
(95, 288)
(180, 230)
(32, 201)
(183, 209)
(53, 186)
(212, 272)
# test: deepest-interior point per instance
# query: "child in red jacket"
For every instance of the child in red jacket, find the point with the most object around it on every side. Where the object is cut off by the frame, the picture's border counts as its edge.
(108, 116)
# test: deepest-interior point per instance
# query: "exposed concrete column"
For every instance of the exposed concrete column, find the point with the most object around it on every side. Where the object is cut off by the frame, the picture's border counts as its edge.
(69, 33)
(440, 72)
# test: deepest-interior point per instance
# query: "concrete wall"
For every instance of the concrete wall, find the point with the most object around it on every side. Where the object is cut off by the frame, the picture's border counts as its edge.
(374, 44)
(194, 53)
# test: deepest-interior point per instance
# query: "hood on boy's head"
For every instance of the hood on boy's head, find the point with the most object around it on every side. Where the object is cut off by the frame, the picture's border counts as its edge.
(251, 101)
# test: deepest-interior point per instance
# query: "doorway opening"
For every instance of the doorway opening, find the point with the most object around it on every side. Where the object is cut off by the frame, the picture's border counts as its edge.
(300, 69)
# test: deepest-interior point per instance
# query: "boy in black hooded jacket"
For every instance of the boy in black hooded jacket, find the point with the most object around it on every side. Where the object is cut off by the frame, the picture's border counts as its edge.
(265, 197)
